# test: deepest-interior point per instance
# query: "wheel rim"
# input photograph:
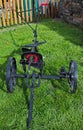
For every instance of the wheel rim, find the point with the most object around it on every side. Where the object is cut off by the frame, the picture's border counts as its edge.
(73, 76)
(11, 70)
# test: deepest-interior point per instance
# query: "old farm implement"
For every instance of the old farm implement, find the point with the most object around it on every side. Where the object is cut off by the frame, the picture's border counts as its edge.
(31, 57)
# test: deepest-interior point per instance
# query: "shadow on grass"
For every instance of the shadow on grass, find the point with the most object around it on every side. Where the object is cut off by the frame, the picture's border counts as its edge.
(14, 42)
(68, 31)
(60, 84)
(3, 67)
(22, 85)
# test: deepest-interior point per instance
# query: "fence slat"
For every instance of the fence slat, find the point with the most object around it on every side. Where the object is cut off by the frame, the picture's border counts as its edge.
(27, 17)
(0, 23)
(0, 3)
(5, 4)
(22, 7)
(0, 13)
(18, 10)
(6, 13)
(10, 11)
(45, 10)
(49, 10)
(31, 11)
(54, 10)
(14, 11)
(3, 16)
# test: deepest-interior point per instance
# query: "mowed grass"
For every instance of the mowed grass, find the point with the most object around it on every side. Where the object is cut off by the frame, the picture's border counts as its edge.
(55, 108)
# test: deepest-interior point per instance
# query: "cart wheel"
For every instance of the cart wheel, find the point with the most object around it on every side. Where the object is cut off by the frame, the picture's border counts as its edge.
(11, 71)
(73, 76)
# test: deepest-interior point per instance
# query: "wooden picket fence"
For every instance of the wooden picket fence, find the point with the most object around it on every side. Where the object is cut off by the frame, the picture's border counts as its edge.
(15, 12)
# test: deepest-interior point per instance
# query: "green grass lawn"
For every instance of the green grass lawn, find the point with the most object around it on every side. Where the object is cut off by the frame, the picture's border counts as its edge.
(54, 107)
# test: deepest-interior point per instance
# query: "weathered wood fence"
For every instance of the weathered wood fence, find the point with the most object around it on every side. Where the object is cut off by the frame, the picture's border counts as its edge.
(72, 11)
(9, 11)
